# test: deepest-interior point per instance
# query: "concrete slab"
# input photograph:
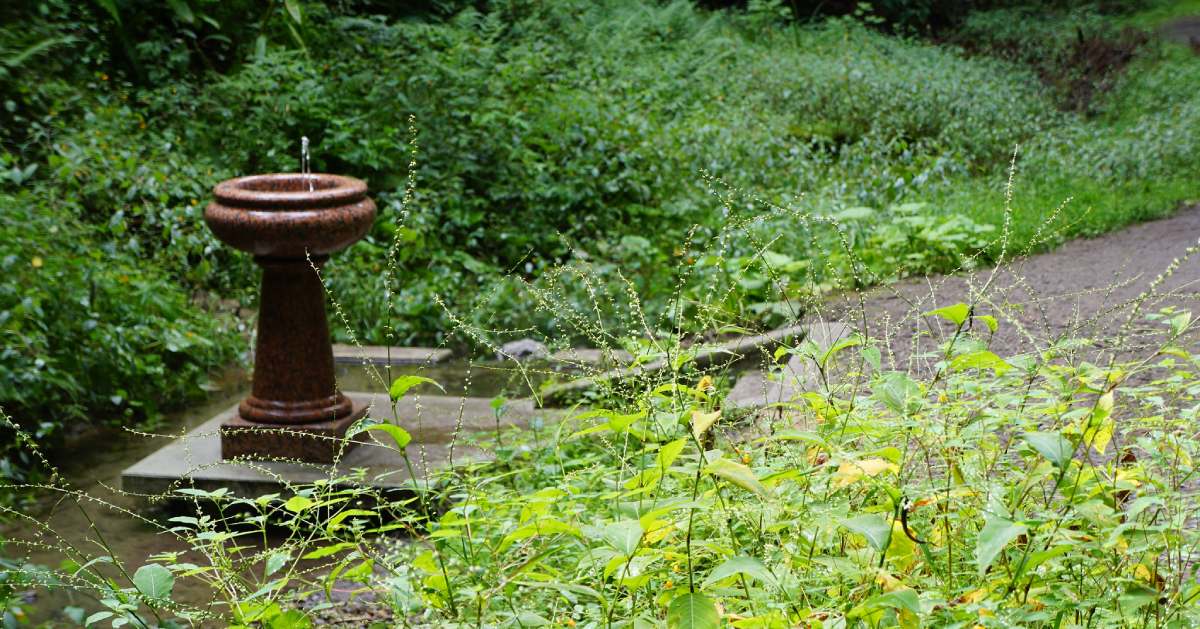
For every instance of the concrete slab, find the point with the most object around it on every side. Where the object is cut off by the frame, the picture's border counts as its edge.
(194, 459)
(589, 356)
(380, 355)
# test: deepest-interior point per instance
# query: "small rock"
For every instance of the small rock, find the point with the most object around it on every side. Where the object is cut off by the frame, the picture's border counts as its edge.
(524, 349)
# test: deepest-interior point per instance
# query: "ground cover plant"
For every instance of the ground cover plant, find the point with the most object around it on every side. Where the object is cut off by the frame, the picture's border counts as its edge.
(1054, 487)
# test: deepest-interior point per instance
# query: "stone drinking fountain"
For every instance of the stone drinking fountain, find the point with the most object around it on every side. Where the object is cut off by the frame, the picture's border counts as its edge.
(291, 223)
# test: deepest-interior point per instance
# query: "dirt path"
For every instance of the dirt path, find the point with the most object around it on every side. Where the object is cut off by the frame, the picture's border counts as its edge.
(1184, 30)
(1088, 288)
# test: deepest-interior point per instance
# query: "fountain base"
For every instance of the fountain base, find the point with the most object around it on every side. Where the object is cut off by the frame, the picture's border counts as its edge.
(194, 460)
(312, 442)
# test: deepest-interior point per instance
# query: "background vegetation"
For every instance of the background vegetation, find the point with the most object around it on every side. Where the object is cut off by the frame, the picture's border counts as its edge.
(557, 140)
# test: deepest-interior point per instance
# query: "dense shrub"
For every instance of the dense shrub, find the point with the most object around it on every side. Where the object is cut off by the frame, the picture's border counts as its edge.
(91, 333)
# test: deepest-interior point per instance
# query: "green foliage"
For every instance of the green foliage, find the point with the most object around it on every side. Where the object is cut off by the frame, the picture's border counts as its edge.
(91, 334)
(576, 133)
(1058, 490)
(573, 149)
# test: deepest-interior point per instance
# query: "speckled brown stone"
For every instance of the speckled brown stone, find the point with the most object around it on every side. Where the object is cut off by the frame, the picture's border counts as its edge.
(290, 228)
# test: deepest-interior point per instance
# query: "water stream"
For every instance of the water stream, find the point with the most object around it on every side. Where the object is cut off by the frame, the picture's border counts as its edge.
(305, 167)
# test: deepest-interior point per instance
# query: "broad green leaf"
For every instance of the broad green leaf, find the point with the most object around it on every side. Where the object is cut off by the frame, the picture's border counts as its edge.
(853, 341)
(182, 11)
(530, 619)
(1051, 445)
(748, 566)
(616, 422)
(737, 474)
(692, 611)
(1137, 597)
(905, 598)
(329, 550)
(873, 527)
(401, 385)
(956, 314)
(111, 7)
(293, 9)
(539, 528)
(624, 535)
(668, 453)
(275, 561)
(154, 581)
(291, 619)
(1042, 556)
(337, 520)
(898, 392)
(873, 357)
(296, 504)
(996, 534)
(701, 422)
(398, 434)
(982, 359)
(1103, 408)
(1179, 323)
(855, 214)
(990, 321)
(97, 617)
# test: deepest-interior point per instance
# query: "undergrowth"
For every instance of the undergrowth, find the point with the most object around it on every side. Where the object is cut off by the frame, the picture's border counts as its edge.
(914, 476)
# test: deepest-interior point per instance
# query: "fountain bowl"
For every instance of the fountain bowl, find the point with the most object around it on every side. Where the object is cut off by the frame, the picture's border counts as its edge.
(290, 215)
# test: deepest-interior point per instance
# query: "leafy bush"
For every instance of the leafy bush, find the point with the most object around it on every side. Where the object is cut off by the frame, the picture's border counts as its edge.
(91, 334)
(553, 133)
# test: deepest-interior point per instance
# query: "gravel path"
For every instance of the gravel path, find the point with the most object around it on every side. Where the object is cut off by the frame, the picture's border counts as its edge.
(1088, 288)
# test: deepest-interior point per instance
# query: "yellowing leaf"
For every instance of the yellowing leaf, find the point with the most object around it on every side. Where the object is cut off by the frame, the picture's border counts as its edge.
(737, 474)
(850, 472)
(1142, 573)
(1099, 436)
(36, 262)
(701, 422)
(887, 581)
(974, 596)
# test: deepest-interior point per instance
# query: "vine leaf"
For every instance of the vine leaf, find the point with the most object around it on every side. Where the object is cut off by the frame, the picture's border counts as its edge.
(692, 611)
(1051, 445)
(956, 314)
(154, 581)
(996, 534)
(401, 385)
(873, 527)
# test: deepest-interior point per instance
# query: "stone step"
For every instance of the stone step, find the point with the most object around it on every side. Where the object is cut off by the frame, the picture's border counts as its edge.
(380, 355)
(726, 352)
(194, 460)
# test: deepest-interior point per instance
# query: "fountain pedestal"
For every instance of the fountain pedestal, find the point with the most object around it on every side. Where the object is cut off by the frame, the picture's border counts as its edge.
(291, 223)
